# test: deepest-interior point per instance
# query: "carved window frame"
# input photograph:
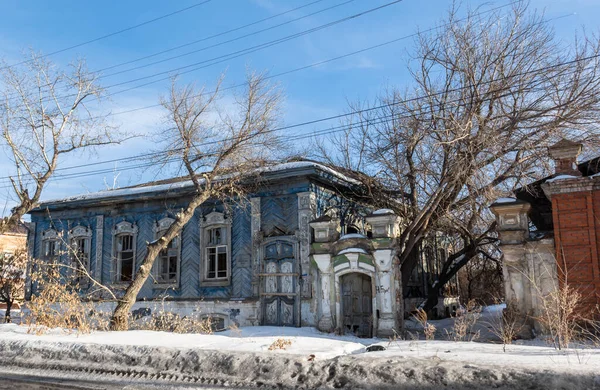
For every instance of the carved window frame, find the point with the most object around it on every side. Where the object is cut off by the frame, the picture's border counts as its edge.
(123, 228)
(75, 234)
(50, 237)
(214, 220)
(159, 228)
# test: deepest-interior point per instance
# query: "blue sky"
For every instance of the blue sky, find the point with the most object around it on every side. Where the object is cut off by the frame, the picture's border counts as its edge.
(47, 26)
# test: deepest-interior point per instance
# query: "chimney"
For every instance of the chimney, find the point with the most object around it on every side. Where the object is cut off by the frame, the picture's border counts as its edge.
(565, 153)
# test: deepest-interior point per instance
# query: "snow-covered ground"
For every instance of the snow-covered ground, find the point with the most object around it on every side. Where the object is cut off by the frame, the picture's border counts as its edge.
(304, 341)
(242, 357)
(309, 341)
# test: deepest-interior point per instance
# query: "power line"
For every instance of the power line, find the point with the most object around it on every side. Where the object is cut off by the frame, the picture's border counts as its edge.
(205, 38)
(225, 42)
(167, 160)
(350, 113)
(113, 33)
(236, 54)
(269, 44)
(322, 132)
(141, 156)
(245, 51)
(318, 63)
(323, 62)
(209, 37)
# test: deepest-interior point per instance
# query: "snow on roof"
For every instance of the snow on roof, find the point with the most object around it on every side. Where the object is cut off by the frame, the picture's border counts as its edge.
(505, 200)
(353, 250)
(561, 177)
(124, 192)
(383, 211)
(144, 188)
(352, 235)
(308, 164)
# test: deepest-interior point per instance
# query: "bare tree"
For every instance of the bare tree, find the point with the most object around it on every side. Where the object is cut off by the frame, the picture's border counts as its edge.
(490, 93)
(46, 114)
(12, 277)
(217, 150)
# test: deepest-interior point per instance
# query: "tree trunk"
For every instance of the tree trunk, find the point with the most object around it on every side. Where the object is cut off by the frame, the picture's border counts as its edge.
(120, 317)
(13, 219)
(448, 273)
(7, 319)
(433, 296)
(408, 266)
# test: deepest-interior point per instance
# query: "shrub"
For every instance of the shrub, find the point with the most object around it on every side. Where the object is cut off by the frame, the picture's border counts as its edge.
(464, 322)
(428, 329)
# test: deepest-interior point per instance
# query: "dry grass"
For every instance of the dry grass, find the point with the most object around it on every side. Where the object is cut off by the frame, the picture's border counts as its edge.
(561, 316)
(464, 322)
(280, 344)
(58, 305)
(508, 325)
(235, 330)
(428, 328)
(172, 322)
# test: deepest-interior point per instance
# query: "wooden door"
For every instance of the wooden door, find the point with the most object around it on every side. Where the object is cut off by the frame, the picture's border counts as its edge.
(279, 285)
(357, 309)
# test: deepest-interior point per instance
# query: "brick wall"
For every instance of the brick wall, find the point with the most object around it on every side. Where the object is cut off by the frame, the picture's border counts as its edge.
(577, 239)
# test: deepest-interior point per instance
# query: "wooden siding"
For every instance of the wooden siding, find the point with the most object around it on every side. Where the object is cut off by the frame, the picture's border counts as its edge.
(279, 215)
(279, 209)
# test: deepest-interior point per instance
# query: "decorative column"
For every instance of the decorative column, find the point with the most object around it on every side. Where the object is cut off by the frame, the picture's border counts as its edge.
(384, 227)
(30, 257)
(325, 316)
(325, 229)
(97, 273)
(256, 241)
(306, 211)
(513, 232)
(565, 153)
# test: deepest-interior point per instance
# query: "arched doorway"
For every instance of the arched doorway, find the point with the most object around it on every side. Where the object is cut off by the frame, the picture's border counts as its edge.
(357, 304)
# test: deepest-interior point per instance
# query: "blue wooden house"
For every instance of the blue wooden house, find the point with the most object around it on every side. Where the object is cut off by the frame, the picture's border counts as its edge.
(287, 256)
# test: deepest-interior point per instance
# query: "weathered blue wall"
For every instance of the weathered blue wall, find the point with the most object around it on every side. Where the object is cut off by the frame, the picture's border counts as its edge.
(279, 216)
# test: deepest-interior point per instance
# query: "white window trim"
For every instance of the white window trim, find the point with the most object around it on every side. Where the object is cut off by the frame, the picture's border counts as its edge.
(122, 228)
(213, 220)
(159, 228)
(50, 235)
(81, 232)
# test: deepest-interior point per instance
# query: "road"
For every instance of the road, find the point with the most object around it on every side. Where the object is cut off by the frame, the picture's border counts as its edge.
(29, 382)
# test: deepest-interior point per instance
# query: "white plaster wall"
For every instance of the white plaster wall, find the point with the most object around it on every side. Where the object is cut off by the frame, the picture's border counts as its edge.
(247, 315)
(307, 312)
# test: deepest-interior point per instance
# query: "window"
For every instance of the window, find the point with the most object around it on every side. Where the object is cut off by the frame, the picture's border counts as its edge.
(50, 246)
(124, 257)
(124, 236)
(215, 321)
(216, 253)
(50, 251)
(215, 241)
(80, 242)
(166, 265)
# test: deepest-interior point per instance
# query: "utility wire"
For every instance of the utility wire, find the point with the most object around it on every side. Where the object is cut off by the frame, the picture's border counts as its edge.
(200, 40)
(224, 42)
(113, 33)
(252, 49)
(323, 62)
(318, 63)
(211, 37)
(229, 56)
(322, 132)
(339, 116)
